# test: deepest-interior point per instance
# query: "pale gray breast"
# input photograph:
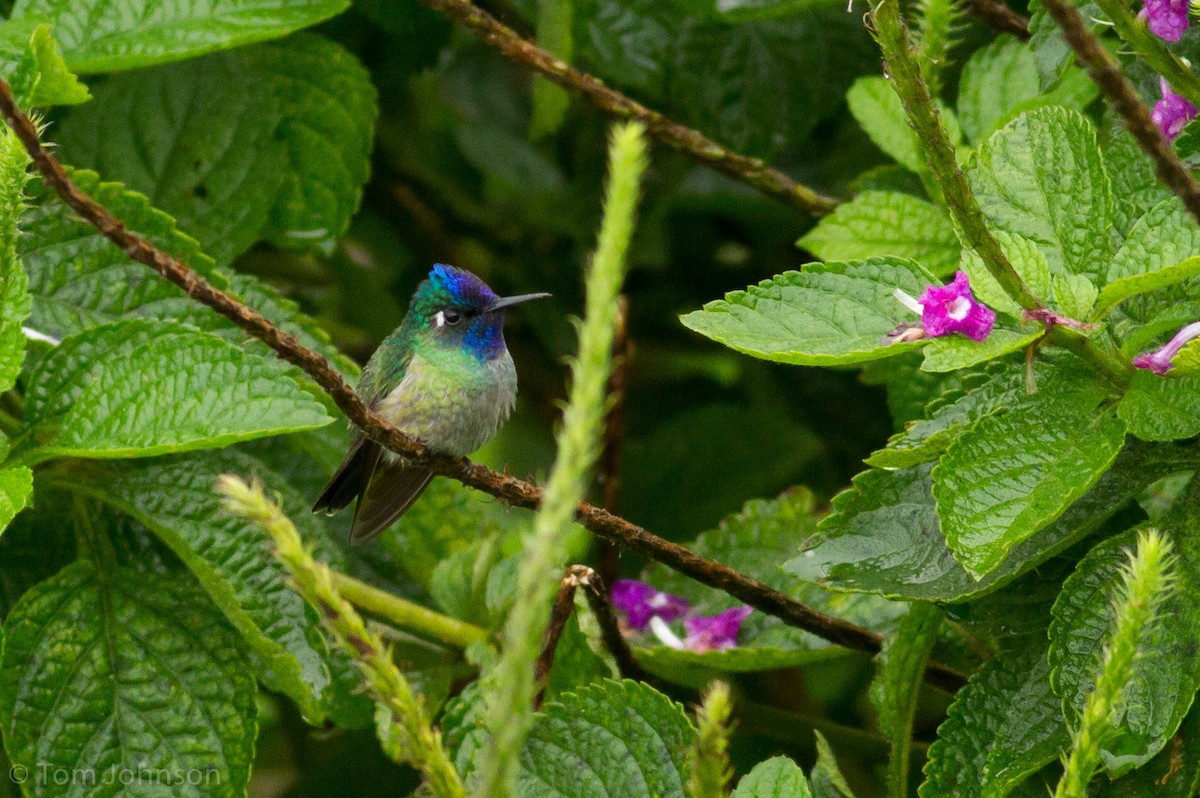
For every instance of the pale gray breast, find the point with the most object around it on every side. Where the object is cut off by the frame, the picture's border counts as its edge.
(455, 404)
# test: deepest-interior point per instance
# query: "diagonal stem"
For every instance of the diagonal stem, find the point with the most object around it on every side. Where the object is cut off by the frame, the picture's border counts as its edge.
(1103, 69)
(691, 142)
(513, 491)
(1151, 48)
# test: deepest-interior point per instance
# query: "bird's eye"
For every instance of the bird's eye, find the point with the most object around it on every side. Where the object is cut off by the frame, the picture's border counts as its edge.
(450, 317)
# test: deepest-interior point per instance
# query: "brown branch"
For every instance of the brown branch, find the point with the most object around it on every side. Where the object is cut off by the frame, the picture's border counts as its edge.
(609, 476)
(509, 489)
(1106, 74)
(691, 142)
(999, 16)
(564, 602)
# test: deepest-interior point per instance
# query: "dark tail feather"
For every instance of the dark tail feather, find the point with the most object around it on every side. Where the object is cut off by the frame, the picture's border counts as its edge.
(392, 491)
(352, 477)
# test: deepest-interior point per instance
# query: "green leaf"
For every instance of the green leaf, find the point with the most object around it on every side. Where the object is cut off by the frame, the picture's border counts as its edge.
(1011, 474)
(883, 535)
(1119, 290)
(111, 35)
(14, 285)
(777, 777)
(36, 72)
(754, 542)
(1173, 773)
(877, 108)
(953, 352)
(995, 79)
(611, 738)
(1158, 409)
(1157, 252)
(555, 19)
(826, 779)
(110, 673)
(1136, 189)
(270, 141)
(1003, 726)
(145, 388)
(174, 497)
(16, 489)
(829, 314)
(1028, 261)
(1042, 177)
(1074, 294)
(899, 668)
(886, 223)
(1166, 673)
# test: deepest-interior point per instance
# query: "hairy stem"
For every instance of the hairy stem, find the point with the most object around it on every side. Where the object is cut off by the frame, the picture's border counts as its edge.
(1103, 69)
(694, 144)
(514, 492)
(511, 695)
(708, 761)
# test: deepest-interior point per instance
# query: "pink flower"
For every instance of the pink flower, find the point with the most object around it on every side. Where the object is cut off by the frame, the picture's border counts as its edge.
(640, 602)
(1159, 361)
(1168, 19)
(716, 632)
(1172, 112)
(952, 308)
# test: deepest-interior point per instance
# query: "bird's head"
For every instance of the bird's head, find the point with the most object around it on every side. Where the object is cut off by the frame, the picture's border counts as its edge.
(454, 308)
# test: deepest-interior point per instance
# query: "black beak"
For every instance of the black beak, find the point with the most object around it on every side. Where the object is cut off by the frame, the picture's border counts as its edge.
(509, 301)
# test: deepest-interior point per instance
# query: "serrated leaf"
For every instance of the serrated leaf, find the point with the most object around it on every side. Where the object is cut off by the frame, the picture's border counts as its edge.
(754, 542)
(14, 285)
(1026, 259)
(36, 72)
(953, 352)
(1163, 242)
(117, 672)
(111, 35)
(254, 143)
(899, 668)
(1119, 290)
(883, 535)
(1158, 409)
(1173, 773)
(610, 738)
(886, 223)
(1003, 726)
(174, 497)
(829, 314)
(1042, 177)
(877, 108)
(16, 489)
(1166, 672)
(777, 777)
(1136, 189)
(1010, 475)
(145, 388)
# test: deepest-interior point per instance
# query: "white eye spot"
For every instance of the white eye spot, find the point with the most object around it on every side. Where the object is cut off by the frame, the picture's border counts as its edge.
(440, 319)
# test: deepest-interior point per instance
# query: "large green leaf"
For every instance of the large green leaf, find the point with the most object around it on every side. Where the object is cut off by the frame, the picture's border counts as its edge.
(1010, 475)
(754, 542)
(1158, 409)
(886, 223)
(174, 497)
(1136, 188)
(1003, 726)
(1042, 177)
(611, 738)
(777, 777)
(1167, 671)
(110, 35)
(1159, 250)
(883, 535)
(829, 314)
(114, 672)
(270, 141)
(144, 388)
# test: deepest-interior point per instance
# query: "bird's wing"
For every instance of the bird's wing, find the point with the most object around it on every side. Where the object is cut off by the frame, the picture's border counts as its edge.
(390, 492)
(351, 478)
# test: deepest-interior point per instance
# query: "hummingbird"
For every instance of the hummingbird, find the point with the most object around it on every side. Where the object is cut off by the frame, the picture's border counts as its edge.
(443, 376)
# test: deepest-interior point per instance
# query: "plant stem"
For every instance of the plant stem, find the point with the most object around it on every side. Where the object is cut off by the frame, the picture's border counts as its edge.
(692, 143)
(1105, 72)
(905, 73)
(1000, 17)
(406, 614)
(1134, 33)
(514, 492)
(708, 761)
(512, 689)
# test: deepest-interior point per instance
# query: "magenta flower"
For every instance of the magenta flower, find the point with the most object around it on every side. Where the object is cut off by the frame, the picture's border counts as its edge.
(716, 632)
(1168, 19)
(640, 602)
(1159, 361)
(1172, 112)
(947, 309)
